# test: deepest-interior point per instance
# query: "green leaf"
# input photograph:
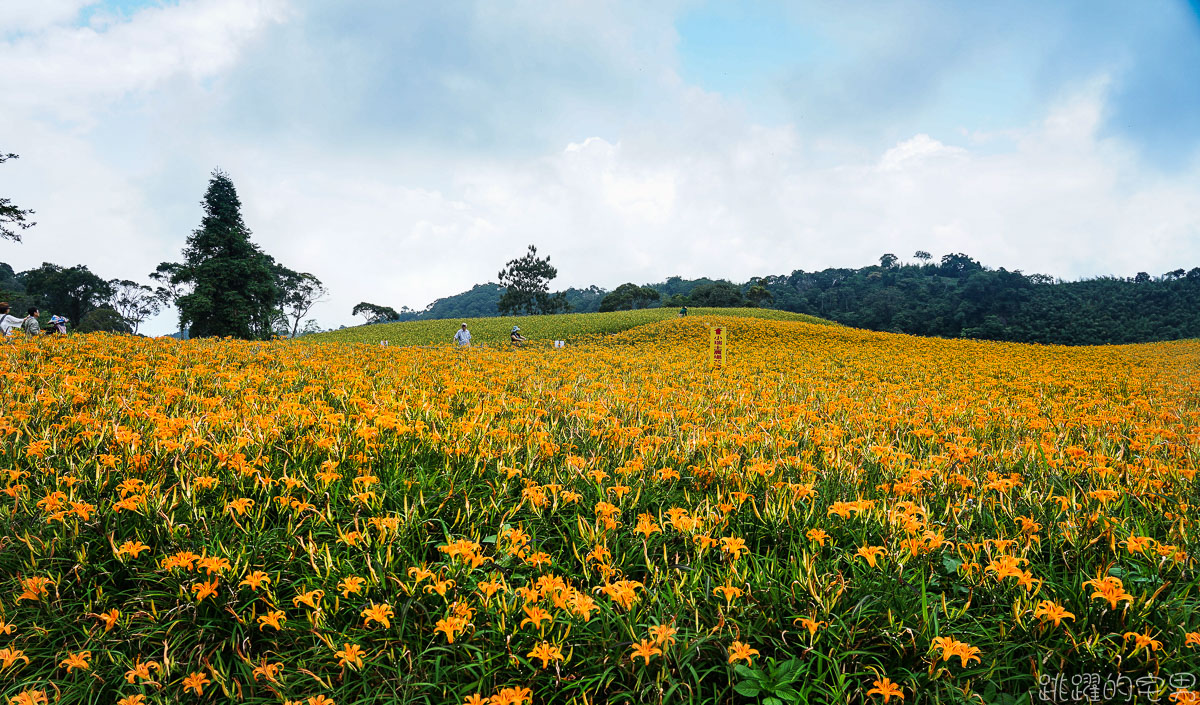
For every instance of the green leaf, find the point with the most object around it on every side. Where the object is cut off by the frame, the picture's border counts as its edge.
(772, 701)
(787, 692)
(785, 672)
(745, 672)
(748, 688)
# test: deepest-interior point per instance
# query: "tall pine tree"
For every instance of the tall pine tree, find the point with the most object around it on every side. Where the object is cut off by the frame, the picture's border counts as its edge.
(526, 283)
(225, 284)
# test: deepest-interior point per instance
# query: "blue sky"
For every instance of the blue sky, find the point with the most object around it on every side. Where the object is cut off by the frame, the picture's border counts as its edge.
(404, 150)
(939, 67)
(125, 8)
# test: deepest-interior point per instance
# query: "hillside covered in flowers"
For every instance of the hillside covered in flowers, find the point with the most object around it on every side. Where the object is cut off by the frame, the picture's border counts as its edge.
(835, 515)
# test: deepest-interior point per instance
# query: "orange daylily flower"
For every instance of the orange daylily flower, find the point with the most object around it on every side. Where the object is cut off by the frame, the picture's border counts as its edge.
(645, 649)
(350, 654)
(273, 618)
(739, 651)
(380, 614)
(887, 689)
(196, 682)
(77, 660)
(546, 652)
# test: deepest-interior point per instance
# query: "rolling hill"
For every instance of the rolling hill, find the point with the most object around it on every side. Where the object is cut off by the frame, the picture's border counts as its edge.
(541, 330)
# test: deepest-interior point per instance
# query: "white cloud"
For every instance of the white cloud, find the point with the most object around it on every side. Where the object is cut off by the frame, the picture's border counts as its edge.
(738, 204)
(647, 196)
(36, 15)
(87, 212)
(694, 187)
(916, 152)
(67, 72)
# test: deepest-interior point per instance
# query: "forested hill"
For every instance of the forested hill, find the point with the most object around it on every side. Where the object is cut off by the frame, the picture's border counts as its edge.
(954, 297)
(976, 302)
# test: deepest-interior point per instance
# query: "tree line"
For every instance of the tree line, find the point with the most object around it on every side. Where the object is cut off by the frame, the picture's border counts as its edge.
(959, 297)
(953, 297)
(91, 302)
(524, 288)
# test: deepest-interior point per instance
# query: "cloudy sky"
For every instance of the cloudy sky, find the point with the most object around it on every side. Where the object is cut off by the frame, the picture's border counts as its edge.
(403, 151)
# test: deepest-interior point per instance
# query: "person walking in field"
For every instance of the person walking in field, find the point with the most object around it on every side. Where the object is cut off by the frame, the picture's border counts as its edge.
(463, 337)
(30, 325)
(7, 322)
(516, 337)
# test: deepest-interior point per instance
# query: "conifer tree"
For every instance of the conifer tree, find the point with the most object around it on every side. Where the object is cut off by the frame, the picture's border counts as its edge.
(526, 286)
(225, 285)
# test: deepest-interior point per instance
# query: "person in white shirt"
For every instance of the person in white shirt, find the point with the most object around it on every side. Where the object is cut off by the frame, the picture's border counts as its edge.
(463, 337)
(7, 322)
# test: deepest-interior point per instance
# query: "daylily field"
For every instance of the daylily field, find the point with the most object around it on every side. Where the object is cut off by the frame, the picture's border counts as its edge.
(835, 516)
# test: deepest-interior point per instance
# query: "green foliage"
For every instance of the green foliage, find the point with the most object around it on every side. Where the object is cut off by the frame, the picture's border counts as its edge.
(76, 291)
(628, 297)
(758, 295)
(585, 300)
(227, 284)
(676, 286)
(375, 313)
(298, 293)
(8, 278)
(12, 290)
(959, 297)
(134, 302)
(717, 295)
(480, 301)
(10, 215)
(526, 286)
(71, 291)
(773, 686)
(103, 320)
(953, 297)
(169, 278)
(958, 265)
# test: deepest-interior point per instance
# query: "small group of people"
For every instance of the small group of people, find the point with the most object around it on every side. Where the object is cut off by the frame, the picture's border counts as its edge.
(462, 338)
(29, 325)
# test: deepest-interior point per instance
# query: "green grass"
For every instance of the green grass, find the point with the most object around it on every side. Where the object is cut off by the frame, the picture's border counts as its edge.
(569, 326)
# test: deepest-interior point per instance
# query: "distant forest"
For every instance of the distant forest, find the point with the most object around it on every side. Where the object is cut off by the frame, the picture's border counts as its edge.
(953, 297)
